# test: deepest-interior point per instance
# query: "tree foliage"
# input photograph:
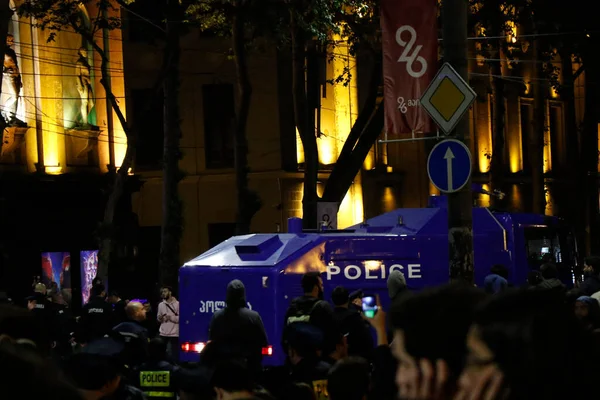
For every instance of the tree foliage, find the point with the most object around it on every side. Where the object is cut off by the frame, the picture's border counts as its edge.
(60, 15)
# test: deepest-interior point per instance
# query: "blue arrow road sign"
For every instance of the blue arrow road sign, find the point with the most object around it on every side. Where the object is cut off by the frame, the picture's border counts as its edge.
(449, 165)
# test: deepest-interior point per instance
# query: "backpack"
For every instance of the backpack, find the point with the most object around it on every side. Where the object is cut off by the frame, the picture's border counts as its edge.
(301, 314)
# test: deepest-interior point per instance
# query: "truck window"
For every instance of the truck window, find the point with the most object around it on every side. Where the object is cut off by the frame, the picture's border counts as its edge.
(542, 245)
(555, 245)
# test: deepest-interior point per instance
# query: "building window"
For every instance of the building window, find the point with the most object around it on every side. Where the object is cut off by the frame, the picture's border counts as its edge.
(148, 117)
(495, 135)
(557, 135)
(526, 122)
(219, 124)
(220, 232)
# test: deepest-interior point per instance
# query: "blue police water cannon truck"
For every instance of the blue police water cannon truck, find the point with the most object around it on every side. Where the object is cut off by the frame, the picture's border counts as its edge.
(414, 241)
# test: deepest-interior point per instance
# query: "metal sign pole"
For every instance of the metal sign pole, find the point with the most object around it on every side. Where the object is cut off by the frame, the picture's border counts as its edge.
(460, 206)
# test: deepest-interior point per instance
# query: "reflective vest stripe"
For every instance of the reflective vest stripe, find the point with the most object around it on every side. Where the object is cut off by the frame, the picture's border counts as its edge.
(160, 394)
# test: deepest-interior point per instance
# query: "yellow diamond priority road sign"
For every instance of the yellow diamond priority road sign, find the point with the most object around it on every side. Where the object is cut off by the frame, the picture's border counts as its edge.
(447, 98)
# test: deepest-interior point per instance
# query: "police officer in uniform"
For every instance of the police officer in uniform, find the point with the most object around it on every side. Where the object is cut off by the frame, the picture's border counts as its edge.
(96, 316)
(98, 371)
(44, 314)
(303, 345)
(65, 324)
(133, 334)
(155, 378)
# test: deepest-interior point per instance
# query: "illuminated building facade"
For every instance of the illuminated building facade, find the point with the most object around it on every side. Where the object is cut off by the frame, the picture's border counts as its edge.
(393, 175)
(61, 140)
(409, 158)
(207, 102)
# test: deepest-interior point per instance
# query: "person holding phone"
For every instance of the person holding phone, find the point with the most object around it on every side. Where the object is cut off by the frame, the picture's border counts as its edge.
(168, 317)
(348, 319)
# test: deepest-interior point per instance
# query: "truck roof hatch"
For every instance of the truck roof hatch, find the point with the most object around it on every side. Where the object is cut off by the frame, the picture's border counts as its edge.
(258, 247)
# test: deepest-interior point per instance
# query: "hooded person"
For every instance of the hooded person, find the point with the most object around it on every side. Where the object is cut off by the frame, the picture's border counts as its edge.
(587, 311)
(238, 332)
(550, 279)
(396, 284)
(497, 280)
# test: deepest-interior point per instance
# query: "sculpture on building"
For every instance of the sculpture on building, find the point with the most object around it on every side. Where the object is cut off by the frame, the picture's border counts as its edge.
(11, 79)
(84, 86)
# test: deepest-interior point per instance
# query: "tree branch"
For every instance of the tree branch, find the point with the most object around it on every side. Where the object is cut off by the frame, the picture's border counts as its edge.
(344, 178)
(334, 184)
(579, 71)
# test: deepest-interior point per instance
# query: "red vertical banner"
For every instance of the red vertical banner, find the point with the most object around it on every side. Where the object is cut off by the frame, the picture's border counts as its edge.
(410, 61)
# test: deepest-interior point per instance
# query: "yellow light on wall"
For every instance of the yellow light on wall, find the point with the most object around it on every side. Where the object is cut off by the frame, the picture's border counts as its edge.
(120, 149)
(389, 200)
(484, 141)
(115, 44)
(512, 27)
(327, 149)
(549, 201)
(51, 156)
(547, 158)
(547, 147)
(485, 199)
(345, 113)
(320, 189)
(340, 108)
(484, 160)
(369, 161)
(598, 146)
(514, 157)
(351, 209)
(299, 148)
(345, 97)
(553, 92)
(433, 191)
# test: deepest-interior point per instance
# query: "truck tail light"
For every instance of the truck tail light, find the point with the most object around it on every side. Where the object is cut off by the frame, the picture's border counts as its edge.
(267, 351)
(192, 347)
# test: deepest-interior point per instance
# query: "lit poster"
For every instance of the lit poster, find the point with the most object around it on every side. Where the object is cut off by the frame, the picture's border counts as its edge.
(89, 268)
(56, 267)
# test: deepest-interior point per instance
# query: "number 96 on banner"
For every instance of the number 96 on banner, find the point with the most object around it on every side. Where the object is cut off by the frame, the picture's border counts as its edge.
(403, 105)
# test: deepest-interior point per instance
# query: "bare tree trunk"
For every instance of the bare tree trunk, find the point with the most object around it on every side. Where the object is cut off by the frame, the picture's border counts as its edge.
(305, 125)
(121, 176)
(348, 170)
(172, 220)
(497, 166)
(567, 93)
(575, 187)
(589, 147)
(248, 202)
(118, 186)
(536, 141)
